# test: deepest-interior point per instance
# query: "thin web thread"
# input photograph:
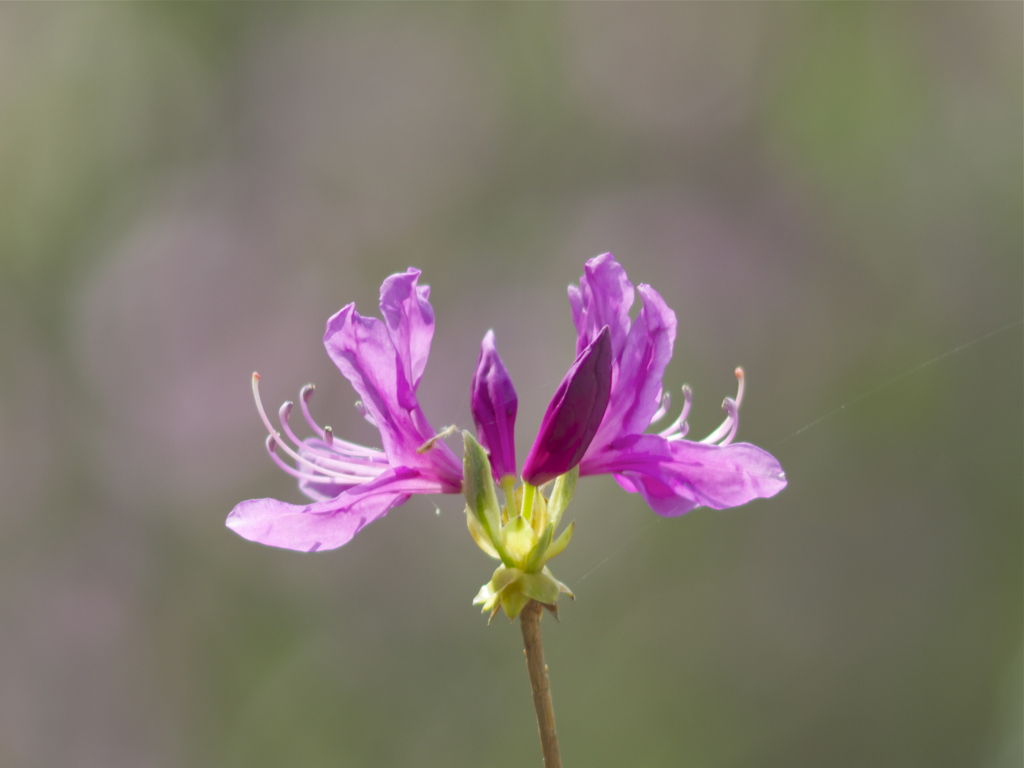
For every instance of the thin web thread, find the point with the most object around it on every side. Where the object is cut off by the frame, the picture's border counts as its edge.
(900, 377)
(873, 391)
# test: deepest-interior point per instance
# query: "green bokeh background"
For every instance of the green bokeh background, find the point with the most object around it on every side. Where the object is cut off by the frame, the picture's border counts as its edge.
(827, 194)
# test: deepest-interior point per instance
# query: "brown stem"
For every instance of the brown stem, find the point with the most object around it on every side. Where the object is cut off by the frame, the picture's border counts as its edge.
(529, 621)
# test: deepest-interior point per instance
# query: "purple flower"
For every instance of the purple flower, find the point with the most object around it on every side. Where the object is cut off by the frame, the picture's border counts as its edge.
(352, 485)
(613, 394)
(673, 475)
(597, 420)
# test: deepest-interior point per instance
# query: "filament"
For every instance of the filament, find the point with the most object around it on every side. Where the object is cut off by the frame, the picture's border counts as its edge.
(272, 450)
(727, 429)
(329, 467)
(677, 429)
(663, 406)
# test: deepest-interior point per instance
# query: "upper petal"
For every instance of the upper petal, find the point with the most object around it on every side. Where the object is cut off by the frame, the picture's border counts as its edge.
(365, 352)
(494, 404)
(603, 298)
(362, 349)
(694, 474)
(409, 317)
(636, 383)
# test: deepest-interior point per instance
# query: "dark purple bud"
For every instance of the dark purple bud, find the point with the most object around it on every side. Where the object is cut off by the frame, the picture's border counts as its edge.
(573, 415)
(494, 405)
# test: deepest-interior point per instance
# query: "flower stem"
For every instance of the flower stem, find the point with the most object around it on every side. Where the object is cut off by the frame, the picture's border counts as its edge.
(529, 622)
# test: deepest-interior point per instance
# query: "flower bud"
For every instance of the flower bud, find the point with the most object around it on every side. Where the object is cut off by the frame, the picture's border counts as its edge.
(494, 404)
(573, 415)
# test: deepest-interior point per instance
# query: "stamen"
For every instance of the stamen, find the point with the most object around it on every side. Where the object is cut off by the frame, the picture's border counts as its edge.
(283, 414)
(272, 450)
(331, 462)
(734, 414)
(341, 446)
(687, 402)
(724, 427)
(305, 395)
(287, 449)
(439, 436)
(727, 429)
(666, 403)
(678, 429)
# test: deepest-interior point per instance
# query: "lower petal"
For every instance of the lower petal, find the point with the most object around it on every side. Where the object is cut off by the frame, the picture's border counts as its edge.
(676, 475)
(310, 527)
(327, 524)
(659, 497)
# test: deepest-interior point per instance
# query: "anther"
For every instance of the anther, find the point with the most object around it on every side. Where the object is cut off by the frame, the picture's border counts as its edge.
(328, 436)
(739, 389)
(439, 436)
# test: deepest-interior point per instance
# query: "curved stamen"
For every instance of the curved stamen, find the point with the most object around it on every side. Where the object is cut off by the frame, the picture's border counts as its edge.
(733, 409)
(663, 406)
(357, 457)
(272, 444)
(678, 429)
(287, 449)
(336, 444)
(340, 454)
(305, 394)
(282, 414)
(727, 429)
(725, 426)
(315, 457)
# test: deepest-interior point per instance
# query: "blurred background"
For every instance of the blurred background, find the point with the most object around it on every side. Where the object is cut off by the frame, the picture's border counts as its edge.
(829, 195)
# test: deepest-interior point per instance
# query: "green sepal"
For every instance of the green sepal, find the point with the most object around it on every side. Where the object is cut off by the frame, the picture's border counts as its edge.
(513, 602)
(481, 497)
(479, 534)
(561, 542)
(541, 587)
(561, 587)
(561, 494)
(510, 589)
(539, 554)
(518, 537)
(500, 579)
